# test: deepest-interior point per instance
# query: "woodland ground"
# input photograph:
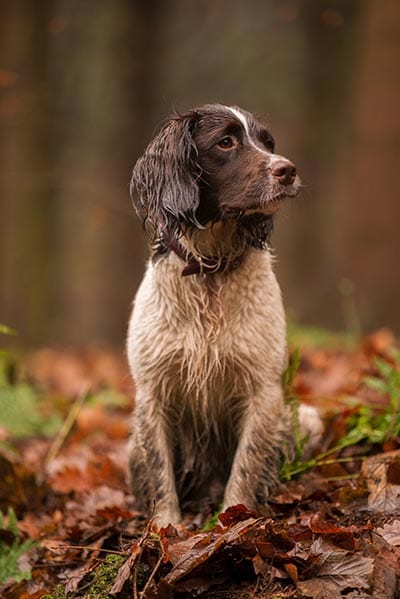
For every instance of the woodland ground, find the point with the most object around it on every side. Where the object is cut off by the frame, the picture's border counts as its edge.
(69, 529)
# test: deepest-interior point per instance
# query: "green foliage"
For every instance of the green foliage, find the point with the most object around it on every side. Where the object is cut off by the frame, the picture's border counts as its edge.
(26, 411)
(21, 413)
(109, 398)
(5, 330)
(293, 401)
(309, 336)
(20, 403)
(290, 373)
(365, 424)
(368, 424)
(212, 521)
(11, 549)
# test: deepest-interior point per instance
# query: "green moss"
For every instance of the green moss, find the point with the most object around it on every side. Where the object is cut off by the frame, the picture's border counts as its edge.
(57, 593)
(102, 580)
(104, 577)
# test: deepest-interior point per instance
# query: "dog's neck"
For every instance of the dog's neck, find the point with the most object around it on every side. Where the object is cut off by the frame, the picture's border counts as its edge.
(218, 248)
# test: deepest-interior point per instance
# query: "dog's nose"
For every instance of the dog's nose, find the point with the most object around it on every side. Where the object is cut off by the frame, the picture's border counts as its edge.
(284, 170)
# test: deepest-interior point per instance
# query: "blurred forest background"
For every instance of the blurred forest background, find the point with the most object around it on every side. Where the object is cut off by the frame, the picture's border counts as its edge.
(83, 84)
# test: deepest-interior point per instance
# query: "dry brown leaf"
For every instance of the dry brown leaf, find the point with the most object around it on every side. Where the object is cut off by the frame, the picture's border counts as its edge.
(260, 565)
(206, 548)
(336, 570)
(379, 341)
(125, 570)
(391, 532)
(386, 568)
(177, 551)
(98, 507)
(383, 495)
(236, 513)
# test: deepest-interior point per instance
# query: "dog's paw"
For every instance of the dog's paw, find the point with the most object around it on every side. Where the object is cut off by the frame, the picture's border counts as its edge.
(162, 518)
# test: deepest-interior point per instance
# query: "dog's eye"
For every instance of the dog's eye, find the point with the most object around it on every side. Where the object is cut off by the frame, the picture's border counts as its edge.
(226, 143)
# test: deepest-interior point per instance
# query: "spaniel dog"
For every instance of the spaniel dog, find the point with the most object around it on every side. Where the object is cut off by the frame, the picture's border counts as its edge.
(207, 336)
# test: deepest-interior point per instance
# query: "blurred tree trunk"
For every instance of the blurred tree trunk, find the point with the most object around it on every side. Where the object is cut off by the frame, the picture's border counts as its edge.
(370, 221)
(104, 75)
(309, 237)
(78, 85)
(25, 206)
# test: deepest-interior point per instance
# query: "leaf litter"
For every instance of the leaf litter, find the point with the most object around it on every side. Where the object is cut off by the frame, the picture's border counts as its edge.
(333, 529)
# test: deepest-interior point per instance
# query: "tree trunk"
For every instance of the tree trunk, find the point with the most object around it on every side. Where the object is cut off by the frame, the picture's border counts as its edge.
(370, 209)
(25, 178)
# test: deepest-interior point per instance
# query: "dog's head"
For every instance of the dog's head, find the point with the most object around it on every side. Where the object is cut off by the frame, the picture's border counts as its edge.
(210, 164)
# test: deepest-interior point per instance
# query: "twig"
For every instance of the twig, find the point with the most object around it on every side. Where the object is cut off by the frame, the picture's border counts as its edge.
(141, 541)
(151, 577)
(344, 477)
(356, 458)
(89, 547)
(254, 591)
(66, 427)
(317, 462)
(134, 582)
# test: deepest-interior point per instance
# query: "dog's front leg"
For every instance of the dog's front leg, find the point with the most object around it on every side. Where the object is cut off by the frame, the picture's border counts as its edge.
(151, 463)
(266, 439)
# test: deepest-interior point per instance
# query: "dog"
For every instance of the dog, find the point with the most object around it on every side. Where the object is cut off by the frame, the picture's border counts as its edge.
(207, 336)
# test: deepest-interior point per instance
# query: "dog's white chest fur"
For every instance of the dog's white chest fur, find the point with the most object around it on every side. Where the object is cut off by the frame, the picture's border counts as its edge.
(208, 341)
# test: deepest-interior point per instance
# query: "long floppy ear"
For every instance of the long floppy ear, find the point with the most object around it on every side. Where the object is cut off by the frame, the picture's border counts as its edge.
(165, 177)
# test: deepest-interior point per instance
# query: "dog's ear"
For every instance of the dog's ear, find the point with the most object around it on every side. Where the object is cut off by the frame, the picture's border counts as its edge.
(166, 177)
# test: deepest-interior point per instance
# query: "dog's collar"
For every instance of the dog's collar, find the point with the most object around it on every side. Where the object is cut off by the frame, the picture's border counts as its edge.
(254, 228)
(207, 265)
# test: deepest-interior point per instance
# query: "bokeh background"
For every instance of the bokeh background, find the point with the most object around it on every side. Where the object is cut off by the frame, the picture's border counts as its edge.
(83, 85)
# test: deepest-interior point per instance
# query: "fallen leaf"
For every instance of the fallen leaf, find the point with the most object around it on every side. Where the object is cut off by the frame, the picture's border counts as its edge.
(236, 513)
(379, 341)
(125, 570)
(260, 565)
(206, 548)
(386, 568)
(383, 495)
(343, 536)
(391, 532)
(177, 551)
(336, 570)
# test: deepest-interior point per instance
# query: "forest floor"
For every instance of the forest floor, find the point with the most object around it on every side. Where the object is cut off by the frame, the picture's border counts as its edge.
(68, 527)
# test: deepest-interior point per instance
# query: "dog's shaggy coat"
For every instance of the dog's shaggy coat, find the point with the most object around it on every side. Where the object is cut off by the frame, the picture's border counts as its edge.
(207, 336)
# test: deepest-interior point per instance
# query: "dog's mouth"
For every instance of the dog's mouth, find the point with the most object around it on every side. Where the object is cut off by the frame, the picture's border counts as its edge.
(268, 203)
(274, 204)
(281, 192)
(274, 201)
(286, 192)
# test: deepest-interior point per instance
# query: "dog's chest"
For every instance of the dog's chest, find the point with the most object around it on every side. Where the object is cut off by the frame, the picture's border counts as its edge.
(220, 336)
